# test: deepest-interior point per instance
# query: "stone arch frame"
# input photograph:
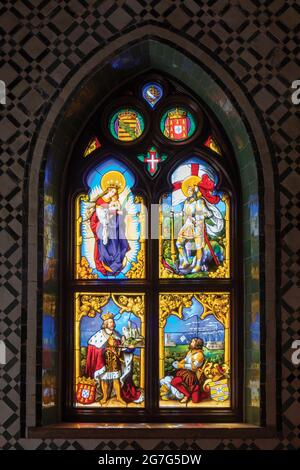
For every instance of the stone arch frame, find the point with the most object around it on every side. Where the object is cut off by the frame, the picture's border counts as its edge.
(140, 50)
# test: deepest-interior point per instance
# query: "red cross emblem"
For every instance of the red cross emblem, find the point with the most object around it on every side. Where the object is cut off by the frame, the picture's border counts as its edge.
(152, 159)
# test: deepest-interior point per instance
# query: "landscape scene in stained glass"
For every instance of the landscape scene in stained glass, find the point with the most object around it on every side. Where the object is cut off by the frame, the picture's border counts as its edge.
(194, 366)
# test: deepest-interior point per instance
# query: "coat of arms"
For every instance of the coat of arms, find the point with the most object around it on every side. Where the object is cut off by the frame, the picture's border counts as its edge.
(177, 124)
(128, 126)
(86, 391)
(219, 390)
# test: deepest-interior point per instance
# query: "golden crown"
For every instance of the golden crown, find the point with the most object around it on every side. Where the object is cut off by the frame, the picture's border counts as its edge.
(127, 114)
(113, 184)
(177, 113)
(107, 316)
(113, 179)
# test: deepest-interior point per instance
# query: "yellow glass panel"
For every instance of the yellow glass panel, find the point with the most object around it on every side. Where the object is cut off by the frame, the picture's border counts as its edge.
(93, 145)
(109, 341)
(212, 145)
(194, 349)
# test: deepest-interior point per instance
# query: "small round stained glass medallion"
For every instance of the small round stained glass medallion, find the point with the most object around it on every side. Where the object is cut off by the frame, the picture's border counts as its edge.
(126, 124)
(177, 124)
(152, 93)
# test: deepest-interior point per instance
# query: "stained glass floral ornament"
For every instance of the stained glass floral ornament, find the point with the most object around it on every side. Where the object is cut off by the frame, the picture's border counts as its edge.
(152, 159)
(177, 124)
(152, 93)
(126, 125)
(212, 145)
(93, 145)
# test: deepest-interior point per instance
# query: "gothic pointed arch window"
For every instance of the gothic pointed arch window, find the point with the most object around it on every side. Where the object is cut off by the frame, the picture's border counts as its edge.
(152, 262)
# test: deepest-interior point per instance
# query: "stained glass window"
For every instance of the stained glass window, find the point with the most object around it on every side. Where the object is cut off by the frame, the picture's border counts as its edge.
(50, 248)
(109, 339)
(49, 382)
(153, 294)
(110, 225)
(194, 240)
(194, 356)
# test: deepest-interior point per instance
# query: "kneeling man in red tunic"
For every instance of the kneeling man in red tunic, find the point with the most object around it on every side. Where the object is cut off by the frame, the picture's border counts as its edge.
(111, 364)
(189, 376)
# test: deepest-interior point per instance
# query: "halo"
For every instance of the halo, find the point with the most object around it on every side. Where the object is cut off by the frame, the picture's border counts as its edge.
(113, 179)
(190, 181)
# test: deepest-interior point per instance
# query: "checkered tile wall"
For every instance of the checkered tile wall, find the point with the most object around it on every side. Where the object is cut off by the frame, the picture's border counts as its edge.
(43, 43)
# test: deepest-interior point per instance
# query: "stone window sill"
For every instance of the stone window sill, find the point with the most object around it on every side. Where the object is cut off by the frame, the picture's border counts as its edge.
(149, 430)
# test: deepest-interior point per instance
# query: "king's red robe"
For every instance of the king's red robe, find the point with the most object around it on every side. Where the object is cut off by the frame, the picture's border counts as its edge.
(96, 365)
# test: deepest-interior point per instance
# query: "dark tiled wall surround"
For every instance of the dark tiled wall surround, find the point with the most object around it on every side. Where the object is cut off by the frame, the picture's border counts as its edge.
(44, 43)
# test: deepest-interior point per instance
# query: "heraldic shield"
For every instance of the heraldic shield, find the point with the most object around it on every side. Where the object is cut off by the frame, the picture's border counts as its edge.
(86, 391)
(219, 390)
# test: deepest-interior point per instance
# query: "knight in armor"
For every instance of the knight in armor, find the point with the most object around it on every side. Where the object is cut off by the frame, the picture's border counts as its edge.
(198, 208)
